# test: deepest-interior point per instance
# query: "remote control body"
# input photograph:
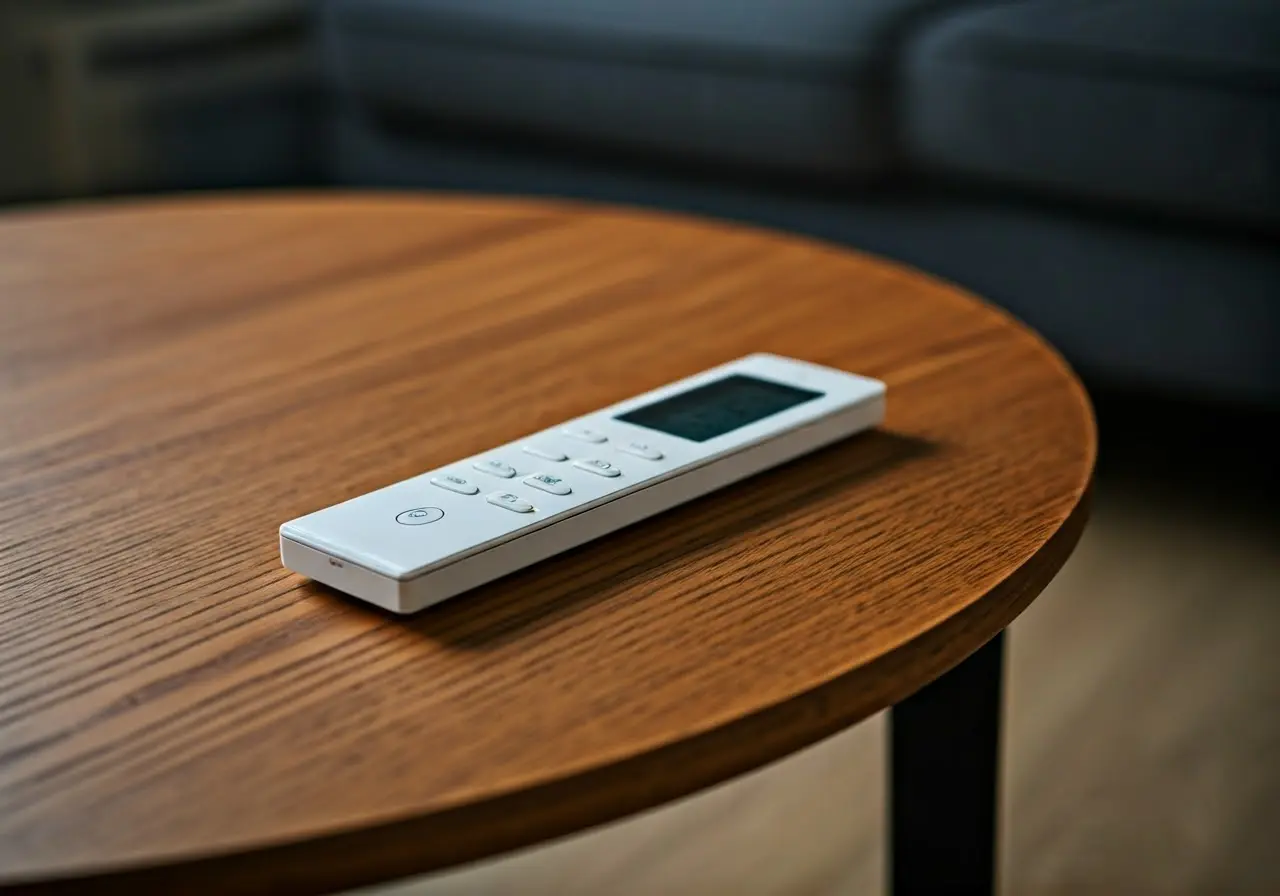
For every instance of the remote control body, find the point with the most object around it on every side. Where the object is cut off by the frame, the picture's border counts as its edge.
(420, 541)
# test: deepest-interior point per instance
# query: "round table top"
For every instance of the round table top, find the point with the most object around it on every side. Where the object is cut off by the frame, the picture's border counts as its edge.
(179, 377)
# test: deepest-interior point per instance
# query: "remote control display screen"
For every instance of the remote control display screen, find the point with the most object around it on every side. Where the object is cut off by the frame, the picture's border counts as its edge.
(718, 407)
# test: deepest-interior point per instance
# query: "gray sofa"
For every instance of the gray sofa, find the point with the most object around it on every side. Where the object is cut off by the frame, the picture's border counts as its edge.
(1107, 170)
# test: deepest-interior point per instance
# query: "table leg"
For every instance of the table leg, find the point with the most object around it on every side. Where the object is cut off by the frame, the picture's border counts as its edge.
(944, 758)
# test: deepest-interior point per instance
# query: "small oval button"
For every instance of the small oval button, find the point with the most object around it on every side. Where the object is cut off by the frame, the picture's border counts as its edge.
(455, 484)
(552, 485)
(495, 468)
(582, 434)
(545, 453)
(419, 516)
(509, 501)
(640, 449)
(599, 467)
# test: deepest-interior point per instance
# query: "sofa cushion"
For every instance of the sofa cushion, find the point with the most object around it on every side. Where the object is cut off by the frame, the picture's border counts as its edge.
(1129, 304)
(801, 85)
(1165, 105)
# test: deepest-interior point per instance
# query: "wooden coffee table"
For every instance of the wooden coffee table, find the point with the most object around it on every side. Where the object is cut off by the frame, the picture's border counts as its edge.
(180, 714)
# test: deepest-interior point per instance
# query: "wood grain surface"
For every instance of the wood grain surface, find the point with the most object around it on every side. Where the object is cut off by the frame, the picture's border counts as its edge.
(178, 713)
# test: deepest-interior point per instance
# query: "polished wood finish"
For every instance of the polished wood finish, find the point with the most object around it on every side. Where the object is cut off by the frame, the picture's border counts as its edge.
(177, 378)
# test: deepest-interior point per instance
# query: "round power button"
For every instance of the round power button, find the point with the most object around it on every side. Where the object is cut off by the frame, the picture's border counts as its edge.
(419, 516)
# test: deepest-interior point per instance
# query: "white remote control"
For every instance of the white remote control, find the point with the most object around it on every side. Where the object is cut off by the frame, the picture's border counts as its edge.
(420, 541)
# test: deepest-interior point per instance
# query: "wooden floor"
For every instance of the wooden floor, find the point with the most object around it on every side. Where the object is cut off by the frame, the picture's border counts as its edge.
(1143, 750)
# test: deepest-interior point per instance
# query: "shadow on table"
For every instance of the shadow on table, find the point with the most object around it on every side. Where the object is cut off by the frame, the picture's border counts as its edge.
(518, 605)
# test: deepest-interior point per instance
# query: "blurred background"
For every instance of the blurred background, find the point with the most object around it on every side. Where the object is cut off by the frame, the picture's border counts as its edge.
(1106, 170)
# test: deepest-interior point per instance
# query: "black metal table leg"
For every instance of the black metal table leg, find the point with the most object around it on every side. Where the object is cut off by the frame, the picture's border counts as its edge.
(944, 770)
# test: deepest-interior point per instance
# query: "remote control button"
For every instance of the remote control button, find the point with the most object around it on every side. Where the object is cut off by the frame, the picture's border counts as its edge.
(582, 434)
(599, 467)
(456, 484)
(495, 468)
(552, 485)
(419, 516)
(545, 453)
(640, 449)
(509, 501)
